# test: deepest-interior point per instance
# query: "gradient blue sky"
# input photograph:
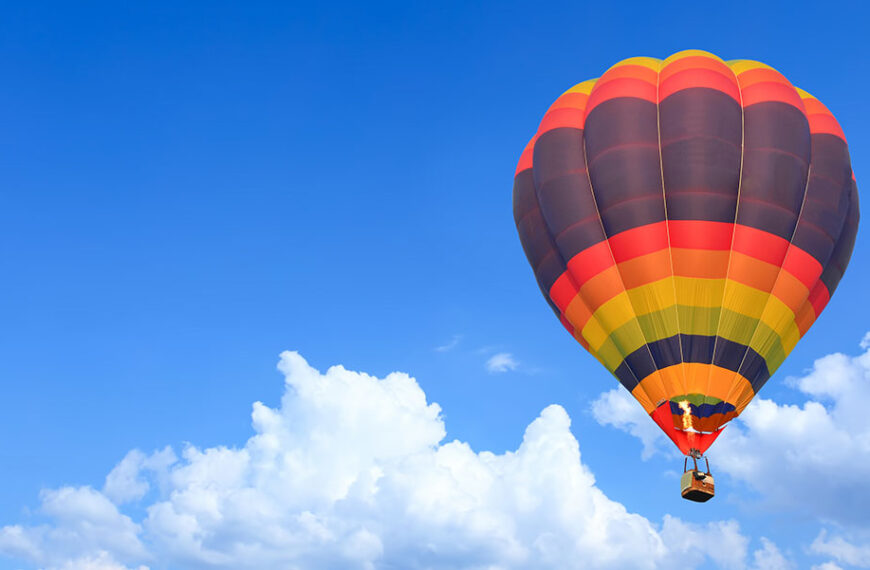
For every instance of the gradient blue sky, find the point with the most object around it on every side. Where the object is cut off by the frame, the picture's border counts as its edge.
(191, 188)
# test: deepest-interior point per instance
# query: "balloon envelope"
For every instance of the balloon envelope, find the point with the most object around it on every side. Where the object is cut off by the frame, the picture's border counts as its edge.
(687, 219)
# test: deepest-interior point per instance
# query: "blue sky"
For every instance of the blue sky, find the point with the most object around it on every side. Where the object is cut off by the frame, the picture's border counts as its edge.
(192, 189)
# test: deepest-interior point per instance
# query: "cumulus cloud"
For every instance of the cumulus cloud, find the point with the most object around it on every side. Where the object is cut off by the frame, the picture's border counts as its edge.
(352, 471)
(88, 532)
(818, 450)
(618, 409)
(125, 483)
(768, 557)
(501, 362)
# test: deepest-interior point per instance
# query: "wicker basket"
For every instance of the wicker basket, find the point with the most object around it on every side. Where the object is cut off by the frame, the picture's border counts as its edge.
(697, 486)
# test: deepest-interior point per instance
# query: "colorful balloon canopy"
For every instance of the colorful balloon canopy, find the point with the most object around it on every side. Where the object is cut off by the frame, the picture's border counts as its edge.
(687, 220)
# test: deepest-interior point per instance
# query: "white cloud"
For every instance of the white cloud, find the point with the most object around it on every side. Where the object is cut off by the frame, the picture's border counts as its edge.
(87, 528)
(844, 550)
(350, 471)
(827, 566)
(125, 483)
(722, 541)
(501, 362)
(818, 451)
(102, 560)
(454, 342)
(768, 557)
(619, 409)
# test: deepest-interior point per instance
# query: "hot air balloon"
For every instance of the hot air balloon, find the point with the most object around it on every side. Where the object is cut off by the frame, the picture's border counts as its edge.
(687, 220)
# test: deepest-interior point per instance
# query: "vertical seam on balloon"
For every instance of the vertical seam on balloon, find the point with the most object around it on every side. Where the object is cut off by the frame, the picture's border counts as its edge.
(610, 249)
(731, 248)
(567, 271)
(778, 275)
(780, 270)
(668, 229)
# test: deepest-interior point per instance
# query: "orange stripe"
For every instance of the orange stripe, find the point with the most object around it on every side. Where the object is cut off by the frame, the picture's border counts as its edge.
(697, 62)
(756, 260)
(816, 107)
(640, 72)
(578, 314)
(645, 269)
(805, 318)
(601, 289)
(762, 75)
(751, 271)
(571, 100)
(699, 78)
(700, 263)
(790, 291)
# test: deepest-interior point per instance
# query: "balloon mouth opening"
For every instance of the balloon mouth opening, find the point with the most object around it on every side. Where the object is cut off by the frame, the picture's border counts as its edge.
(682, 428)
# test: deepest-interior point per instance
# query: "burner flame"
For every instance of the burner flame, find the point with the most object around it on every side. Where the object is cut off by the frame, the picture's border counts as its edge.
(687, 415)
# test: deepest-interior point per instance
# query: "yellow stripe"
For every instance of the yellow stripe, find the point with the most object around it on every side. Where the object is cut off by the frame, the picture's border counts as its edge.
(804, 94)
(585, 87)
(611, 315)
(650, 62)
(617, 319)
(699, 292)
(691, 53)
(741, 65)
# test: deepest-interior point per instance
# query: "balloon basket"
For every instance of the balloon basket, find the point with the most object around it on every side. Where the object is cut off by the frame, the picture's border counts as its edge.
(696, 485)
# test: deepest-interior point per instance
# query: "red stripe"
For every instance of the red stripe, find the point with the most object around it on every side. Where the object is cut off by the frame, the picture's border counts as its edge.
(686, 234)
(639, 241)
(685, 441)
(759, 244)
(802, 265)
(770, 91)
(563, 117)
(825, 124)
(590, 262)
(526, 157)
(563, 291)
(567, 324)
(622, 87)
(695, 234)
(819, 297)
